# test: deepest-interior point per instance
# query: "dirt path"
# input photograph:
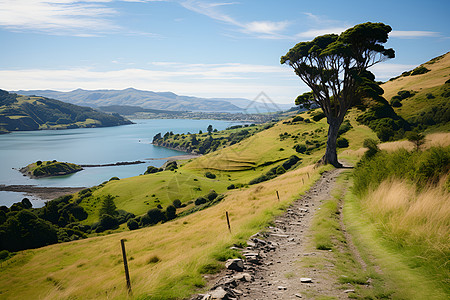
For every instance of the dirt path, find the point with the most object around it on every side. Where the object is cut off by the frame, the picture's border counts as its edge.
(274, 267)
(279, 276)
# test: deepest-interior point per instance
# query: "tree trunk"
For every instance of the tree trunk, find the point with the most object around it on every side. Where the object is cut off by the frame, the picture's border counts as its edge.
(330, 156)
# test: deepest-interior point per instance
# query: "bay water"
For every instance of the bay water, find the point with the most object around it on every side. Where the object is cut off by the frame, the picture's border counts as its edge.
(89, 146)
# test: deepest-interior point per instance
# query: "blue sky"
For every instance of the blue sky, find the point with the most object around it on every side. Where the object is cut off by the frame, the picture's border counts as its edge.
(199, 48)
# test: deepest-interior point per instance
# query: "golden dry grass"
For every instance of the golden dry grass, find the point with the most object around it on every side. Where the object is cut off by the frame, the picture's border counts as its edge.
(413, 218)
(439, 73)
(92, 268)
(431, 140)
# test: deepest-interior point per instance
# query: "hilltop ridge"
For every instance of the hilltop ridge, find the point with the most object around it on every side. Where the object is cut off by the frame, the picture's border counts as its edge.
(18, 113)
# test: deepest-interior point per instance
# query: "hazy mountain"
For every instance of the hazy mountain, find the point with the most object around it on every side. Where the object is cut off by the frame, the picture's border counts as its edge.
(19, 113)
(153, 100)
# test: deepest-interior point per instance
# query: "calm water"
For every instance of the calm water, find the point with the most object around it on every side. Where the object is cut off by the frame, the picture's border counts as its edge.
(89, 146)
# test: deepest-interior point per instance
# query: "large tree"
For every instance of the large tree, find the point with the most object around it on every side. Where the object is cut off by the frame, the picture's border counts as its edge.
(335, 68)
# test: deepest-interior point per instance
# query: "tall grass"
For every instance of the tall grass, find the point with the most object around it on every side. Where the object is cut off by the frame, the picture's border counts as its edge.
(406, 194)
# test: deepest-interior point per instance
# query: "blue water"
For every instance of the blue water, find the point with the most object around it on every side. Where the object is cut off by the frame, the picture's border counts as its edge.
(89, 146)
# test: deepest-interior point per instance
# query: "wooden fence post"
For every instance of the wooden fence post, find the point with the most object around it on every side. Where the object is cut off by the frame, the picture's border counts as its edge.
(278, 196)
(228, 222)
(125, 265)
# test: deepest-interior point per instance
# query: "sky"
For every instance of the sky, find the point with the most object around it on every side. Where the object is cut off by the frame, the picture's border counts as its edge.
(228, 49)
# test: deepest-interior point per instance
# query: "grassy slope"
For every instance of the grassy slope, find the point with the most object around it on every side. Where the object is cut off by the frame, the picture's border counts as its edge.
(439, 73)
(428, 83)
(236, 164)
(186, 245)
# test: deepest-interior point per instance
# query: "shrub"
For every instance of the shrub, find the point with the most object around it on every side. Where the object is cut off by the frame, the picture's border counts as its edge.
(419, 70)
(151, 170)
(171, 212)
(200, 201)
(155, 216)
(210, 175)
(39, 163)
(297, 119)
(176, 203)
(396, 103)
(171, 166)
(372, 146)
(26, 203)
(290, 162)
(211, 195)
(342, 142)
(345, 126)
(317, 116)
(404, 94)
(107, 222)
(114, 178)
(430, 96)
(280, 170)
(4, 254)
(231, 187)
(132, 224)
(300, 148)
(433, 164)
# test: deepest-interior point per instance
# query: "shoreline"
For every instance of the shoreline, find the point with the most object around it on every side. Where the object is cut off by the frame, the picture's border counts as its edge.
(177, 157)
(43, 193)
(50, 193)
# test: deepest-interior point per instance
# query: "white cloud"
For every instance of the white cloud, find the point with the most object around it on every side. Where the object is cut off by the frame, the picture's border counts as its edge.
(266, 28)
(384, 71)
(60, 17)
(413, 34)
(202, 80)
(311, 34)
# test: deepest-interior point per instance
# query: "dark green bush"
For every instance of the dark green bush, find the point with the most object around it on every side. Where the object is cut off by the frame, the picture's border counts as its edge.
(170, 213)
(434, 163)
(297, 119)
(404, 94)
(280, 170)
(211, 195)
(430, 96)
(176, 203)
(107, 222)
(132, 224)
(318, 115)
(342, 142)
(172, 166)
(419, 70)
(396, 103)
(231, 187)
(155, 216)
(114, 178)
(300, 148)
(210, 175)
(200, 201)
(345, 126)
(151, 170)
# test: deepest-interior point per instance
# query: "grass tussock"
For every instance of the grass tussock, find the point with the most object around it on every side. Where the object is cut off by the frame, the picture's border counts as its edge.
(407, 196)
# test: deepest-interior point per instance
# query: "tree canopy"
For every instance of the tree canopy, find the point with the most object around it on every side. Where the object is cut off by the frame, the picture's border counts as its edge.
(335, 67)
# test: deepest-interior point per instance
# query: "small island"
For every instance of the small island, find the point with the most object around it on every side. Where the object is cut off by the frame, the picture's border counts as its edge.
(49, 168)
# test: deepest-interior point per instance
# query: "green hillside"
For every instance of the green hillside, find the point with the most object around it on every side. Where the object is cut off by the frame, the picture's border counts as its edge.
(421, 96)
(169, 257)
(19, 113)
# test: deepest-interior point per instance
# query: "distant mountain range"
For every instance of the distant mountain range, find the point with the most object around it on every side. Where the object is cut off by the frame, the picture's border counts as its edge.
(18, 113)
(157, 100)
